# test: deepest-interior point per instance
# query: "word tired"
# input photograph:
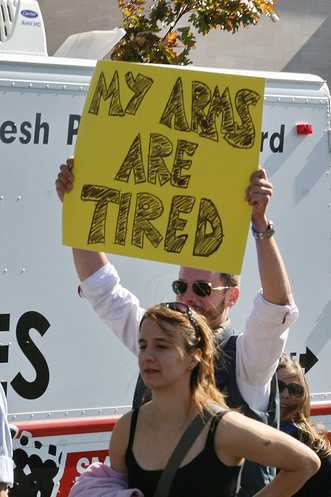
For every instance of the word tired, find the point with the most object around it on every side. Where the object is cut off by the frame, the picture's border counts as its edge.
(148, 208)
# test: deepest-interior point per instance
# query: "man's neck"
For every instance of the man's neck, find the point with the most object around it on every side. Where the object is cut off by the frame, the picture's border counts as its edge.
(222, 322)
(222, 326)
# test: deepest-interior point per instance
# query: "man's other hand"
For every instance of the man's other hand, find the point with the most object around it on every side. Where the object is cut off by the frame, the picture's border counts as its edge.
(65, 179)
(258, 195)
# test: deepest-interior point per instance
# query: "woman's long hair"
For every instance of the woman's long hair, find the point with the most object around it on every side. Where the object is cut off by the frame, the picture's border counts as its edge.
(197, 336)
(299, 414)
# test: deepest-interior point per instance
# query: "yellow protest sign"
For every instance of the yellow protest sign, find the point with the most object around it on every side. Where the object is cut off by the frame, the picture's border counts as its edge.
(162, 160)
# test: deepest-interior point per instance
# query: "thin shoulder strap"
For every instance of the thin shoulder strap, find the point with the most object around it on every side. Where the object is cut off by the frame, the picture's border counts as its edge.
(134, 418)
(183, 446)
(213, 425)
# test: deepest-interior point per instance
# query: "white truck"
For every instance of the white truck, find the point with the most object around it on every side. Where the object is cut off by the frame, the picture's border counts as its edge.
(67, 377)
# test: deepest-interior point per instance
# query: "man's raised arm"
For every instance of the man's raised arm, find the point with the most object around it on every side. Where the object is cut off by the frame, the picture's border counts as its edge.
(261, 345)
(118, 308)
(86, 262)
(275, 283)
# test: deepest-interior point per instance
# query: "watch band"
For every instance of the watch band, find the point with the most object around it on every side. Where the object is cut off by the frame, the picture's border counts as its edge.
(261, 235)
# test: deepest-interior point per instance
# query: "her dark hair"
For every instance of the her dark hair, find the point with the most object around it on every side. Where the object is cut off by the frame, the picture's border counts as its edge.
(309, 433)
(197, 336)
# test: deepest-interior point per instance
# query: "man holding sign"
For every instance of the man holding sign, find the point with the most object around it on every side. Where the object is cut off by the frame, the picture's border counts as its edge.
(249, 378)
(176, 150)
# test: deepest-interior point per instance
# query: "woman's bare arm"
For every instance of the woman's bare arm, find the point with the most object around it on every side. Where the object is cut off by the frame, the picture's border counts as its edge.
(119, 444)
(238, 436)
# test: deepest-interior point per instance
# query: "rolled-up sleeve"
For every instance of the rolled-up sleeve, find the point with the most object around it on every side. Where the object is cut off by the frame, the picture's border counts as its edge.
(118, 308)
(6, 448)
(260, 347)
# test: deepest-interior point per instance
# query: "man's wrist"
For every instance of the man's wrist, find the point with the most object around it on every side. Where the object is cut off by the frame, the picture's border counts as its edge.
(259, 222)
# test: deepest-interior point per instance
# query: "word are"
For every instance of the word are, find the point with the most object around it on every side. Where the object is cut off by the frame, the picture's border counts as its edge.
(160, 147)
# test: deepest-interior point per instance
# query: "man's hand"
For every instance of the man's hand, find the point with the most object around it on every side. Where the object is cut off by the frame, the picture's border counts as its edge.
(64, 180)
(258, 195)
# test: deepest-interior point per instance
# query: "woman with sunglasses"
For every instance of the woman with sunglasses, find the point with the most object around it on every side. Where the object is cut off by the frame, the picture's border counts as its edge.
(176, 361)
(295, 420)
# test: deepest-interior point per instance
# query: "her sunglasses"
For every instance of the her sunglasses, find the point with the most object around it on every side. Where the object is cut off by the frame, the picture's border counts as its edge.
(200, 288)
(293, 388)
(183, 309)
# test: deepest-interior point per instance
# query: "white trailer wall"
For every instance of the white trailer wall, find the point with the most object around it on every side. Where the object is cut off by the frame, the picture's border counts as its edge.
(60, 356)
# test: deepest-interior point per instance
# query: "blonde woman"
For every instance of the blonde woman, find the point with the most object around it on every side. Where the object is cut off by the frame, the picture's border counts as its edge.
(176, 351)
(176, 362)
(295, 420)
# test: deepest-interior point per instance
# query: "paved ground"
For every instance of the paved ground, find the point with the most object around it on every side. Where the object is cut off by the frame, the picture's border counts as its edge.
(300, 42)
(65, 17)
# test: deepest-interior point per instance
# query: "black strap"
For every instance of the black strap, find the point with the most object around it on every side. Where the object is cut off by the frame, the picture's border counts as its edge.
(213, 426)
(181, 449)
(134, 418)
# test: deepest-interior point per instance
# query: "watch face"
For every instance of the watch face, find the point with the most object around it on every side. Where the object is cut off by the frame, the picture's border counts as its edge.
(268, 233)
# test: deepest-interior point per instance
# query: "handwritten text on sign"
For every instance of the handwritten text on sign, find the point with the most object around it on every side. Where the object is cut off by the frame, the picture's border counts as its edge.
(162, 161)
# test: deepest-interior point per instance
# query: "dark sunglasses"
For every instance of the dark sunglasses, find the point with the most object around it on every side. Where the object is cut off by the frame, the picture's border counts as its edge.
(293, 388)
(200, 288)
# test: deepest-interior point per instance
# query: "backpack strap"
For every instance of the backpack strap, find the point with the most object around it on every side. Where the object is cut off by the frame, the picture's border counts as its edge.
(181, 449)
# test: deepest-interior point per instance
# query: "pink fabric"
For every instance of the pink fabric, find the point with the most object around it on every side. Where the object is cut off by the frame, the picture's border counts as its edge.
(100, 480)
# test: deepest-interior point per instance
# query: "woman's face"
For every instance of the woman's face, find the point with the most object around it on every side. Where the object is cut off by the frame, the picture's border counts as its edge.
(289, 402)
(163, 359)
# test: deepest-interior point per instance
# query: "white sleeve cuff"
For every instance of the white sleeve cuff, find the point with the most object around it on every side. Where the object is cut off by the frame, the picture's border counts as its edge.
(260, 347)
(266, 311)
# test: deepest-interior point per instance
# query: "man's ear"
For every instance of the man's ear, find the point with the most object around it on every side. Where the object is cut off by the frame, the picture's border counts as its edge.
(232, 296)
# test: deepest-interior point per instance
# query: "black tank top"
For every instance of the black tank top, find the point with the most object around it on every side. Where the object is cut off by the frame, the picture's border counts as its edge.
(204, 476)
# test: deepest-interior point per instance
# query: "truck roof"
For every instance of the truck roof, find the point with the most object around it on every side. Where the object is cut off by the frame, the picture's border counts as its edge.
(59, 69)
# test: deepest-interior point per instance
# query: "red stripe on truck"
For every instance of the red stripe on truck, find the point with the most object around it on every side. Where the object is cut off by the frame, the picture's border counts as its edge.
(73, 426)
(105, 423)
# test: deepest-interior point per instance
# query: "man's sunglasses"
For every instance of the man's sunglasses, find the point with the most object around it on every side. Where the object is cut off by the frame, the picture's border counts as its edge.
(200, 288)
(293, 389)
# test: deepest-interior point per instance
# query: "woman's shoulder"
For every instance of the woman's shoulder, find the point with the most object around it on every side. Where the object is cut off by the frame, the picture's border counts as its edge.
(228, 425)
(234, 427)
(125, 420)
(121, 430)
(232, 419)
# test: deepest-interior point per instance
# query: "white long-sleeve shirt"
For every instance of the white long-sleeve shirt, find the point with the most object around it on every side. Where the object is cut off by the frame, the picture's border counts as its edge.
(258, 348)
(6, 447)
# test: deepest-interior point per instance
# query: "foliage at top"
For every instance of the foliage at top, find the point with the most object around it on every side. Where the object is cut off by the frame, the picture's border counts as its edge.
(153, 35)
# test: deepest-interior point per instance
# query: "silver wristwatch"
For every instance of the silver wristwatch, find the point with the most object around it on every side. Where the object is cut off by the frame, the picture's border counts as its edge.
(268, 233)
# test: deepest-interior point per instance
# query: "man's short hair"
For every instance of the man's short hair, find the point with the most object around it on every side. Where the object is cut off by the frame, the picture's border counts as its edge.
(230, 279)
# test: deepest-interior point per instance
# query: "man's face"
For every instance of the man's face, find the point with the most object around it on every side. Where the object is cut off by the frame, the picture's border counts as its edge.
(211, 306)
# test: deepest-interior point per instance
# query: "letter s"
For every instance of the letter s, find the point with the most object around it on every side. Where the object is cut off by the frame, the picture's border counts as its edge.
(82, 464)
(36, 388)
